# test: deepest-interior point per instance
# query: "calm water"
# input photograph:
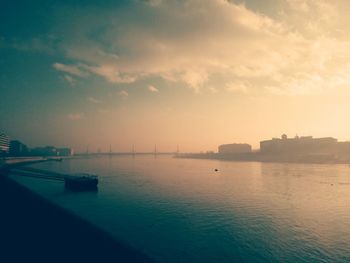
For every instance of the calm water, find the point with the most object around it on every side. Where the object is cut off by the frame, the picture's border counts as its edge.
(181, 210)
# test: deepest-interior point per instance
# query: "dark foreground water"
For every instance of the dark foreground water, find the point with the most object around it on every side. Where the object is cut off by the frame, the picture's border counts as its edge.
(181, 210)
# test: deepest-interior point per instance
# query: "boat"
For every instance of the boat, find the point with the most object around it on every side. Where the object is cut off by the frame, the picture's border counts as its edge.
(81, 182)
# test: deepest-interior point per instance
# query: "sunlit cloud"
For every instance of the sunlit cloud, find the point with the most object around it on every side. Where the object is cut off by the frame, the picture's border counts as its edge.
(152, 88)
(213, 89)
(110, 73)
(123, 94)
(185, 46)
(71, 69)
(237, 87)
(69, 79)
(199, 48)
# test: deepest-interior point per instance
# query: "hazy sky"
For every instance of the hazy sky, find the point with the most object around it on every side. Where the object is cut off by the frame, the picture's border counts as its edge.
(194, 73)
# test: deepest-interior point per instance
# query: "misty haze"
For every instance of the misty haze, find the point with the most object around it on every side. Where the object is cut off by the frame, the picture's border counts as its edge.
(174, 131)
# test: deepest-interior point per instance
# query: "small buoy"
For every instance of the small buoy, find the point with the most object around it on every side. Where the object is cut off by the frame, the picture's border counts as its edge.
(216, 170)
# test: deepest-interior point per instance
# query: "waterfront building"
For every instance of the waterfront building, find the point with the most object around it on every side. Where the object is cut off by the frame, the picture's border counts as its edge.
(44, 151)
(17, 148)
(4, 144)
(234, 148)
(300, 145)
(343, 148)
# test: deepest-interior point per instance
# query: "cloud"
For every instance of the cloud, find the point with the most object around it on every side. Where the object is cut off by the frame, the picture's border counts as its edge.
(213, 89)
(237, 87)
(73, 70)
(94, 100)
(123, 94)
(311, 17)
(175, 41)
(195, 78)
(75, 116)
(312, 83)
(110, 73)
(151, 88)
(69, 79)
(183, 45)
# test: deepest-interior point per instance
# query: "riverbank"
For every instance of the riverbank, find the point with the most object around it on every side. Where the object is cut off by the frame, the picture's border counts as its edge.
(34, 230)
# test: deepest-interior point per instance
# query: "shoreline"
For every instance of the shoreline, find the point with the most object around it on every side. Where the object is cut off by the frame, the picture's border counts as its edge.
(255, 157)
(32, 229)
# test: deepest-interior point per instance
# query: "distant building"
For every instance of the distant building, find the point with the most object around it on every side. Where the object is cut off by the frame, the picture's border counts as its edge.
(4, 144)
(65, 152)
(300, 145)
(17, 148)
(234, 148)
(51, 151)
(343, 148)
(44, 151)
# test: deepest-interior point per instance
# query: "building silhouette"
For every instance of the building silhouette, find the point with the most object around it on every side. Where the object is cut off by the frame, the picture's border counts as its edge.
(4, 144)
(51, 151)
(302, 145)
(65, 151)
(234, 148)
(44, 151)
(17, 148)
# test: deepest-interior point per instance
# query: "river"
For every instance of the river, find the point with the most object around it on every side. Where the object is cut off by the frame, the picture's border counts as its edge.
(182, 210)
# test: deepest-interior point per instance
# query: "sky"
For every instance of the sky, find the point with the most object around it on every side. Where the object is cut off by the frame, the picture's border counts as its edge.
(195, 73)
